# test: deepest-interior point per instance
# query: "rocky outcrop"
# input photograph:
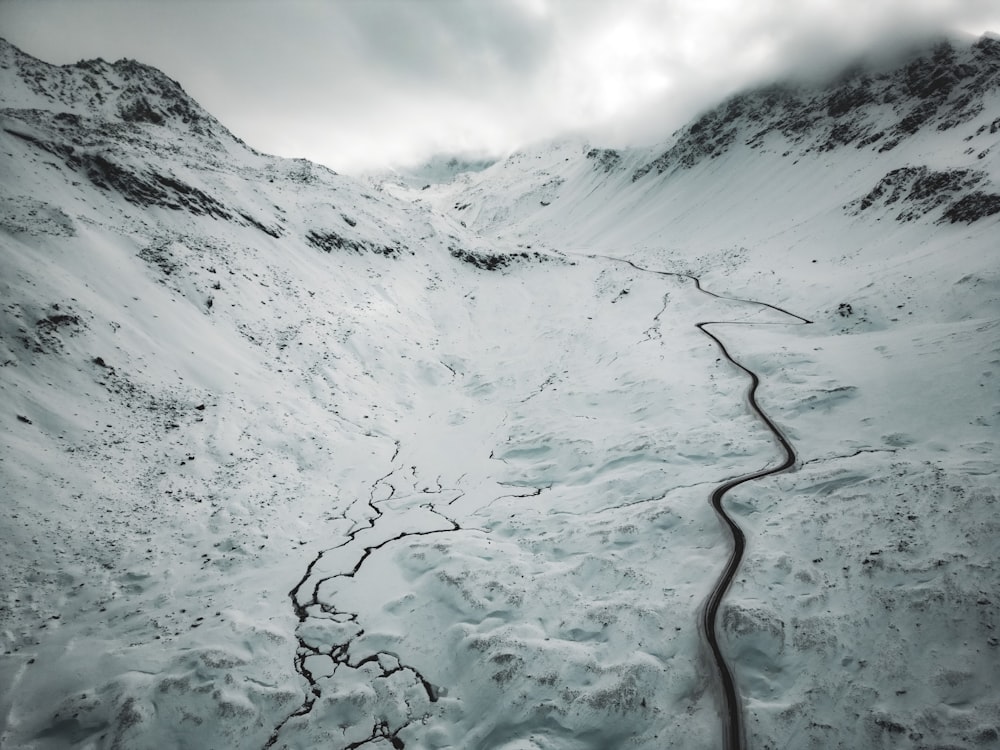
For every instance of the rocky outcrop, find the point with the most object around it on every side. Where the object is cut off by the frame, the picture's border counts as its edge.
(919, 191)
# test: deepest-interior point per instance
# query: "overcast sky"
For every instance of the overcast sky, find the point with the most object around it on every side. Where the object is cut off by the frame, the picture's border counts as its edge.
(359, 84)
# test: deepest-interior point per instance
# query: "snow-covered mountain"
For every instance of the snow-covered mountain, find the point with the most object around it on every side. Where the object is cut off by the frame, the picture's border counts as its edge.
(890, 115)
(296, 460)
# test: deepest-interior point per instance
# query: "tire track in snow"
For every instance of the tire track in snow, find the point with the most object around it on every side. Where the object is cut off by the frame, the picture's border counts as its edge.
(733, 732)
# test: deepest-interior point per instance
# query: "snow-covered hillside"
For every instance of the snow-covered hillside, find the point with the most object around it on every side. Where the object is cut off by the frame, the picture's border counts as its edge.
(294, 460)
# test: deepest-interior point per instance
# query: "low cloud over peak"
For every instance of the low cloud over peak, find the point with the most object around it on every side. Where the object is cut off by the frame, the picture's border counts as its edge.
(364, 85)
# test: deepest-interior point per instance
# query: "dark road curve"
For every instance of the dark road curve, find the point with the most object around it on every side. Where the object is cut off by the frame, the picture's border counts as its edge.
(733, 735)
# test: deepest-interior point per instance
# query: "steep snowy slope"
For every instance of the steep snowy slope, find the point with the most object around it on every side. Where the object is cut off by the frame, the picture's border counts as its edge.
(291, 460)
(167, 437)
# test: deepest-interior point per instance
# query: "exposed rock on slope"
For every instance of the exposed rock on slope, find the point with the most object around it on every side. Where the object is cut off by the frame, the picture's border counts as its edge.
(920, 191)
(938, 90)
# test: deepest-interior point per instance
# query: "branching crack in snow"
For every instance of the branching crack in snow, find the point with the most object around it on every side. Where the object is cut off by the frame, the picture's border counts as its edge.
(654, 332)
(733, 734)
(550, 380)
(493, 457)
(314, 644)
(620, 506)
(535, 493)
(825, 459)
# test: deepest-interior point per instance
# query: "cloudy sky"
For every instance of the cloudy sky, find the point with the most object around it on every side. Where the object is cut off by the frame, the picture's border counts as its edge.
(358, 84)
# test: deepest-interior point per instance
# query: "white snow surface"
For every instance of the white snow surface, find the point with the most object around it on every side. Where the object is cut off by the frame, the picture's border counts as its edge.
(292, 466)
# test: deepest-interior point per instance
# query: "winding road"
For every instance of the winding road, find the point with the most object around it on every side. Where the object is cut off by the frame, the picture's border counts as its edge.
(733, 735)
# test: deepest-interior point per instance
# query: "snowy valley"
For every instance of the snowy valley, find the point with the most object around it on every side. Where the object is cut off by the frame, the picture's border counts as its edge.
(294, 460)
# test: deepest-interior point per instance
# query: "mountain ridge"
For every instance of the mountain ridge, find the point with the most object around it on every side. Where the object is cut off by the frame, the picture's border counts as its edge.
(126, 89)
(948, 83)
(132, 131)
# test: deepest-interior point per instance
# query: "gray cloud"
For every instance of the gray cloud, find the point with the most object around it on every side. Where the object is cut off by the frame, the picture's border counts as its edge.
(458, 44)
(362, 83)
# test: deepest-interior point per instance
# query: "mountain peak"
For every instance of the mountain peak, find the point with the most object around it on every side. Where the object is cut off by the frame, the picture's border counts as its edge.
(125, 90)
